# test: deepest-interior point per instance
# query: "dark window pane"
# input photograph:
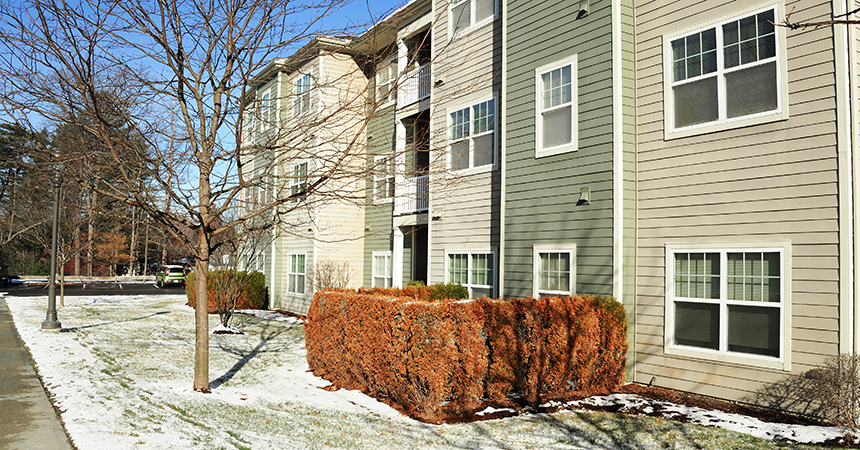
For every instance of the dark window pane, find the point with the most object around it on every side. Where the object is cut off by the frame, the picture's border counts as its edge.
(767, 47)
(732, 55)
(754, 330)
(693, 45)
(765, 23)
(709, 40)
(696, 102)
(697, 325)
(749, 52)
(748, 28)
(709, 62)
(730, 33)
(694, 66)
(678, 50)
(751, 91)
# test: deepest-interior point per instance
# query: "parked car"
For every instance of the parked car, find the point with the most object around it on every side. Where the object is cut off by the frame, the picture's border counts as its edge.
(170, 276)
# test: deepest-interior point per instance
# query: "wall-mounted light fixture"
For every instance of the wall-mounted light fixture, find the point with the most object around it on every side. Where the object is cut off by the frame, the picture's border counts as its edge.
(584, 196)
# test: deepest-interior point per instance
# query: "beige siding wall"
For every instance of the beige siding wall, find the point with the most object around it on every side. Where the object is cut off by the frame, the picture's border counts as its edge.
(469, 65)
(764, 183)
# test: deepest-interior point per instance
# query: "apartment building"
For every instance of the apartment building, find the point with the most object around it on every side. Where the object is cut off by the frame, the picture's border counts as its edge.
(690, 159)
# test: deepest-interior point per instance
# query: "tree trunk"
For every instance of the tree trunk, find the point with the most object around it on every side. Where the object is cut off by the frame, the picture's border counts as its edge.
(77, 238)
(90, 232)
(201, 314)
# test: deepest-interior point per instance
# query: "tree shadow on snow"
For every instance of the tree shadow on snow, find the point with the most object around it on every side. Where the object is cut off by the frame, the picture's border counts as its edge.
(269, 332)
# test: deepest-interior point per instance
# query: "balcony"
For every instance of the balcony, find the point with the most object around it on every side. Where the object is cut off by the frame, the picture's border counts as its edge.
(415, 86)
(413, 196)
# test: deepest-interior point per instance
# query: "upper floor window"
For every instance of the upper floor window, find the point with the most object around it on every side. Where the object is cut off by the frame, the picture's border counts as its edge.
(383, 178)
(724, 75)
(473, 136)
(298, 179)
(466, 13)
(386, 78)
(266, 107)
(556, 121)
(303, 95)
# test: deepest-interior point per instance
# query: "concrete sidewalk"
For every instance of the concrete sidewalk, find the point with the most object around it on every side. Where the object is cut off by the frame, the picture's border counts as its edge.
(27, 418)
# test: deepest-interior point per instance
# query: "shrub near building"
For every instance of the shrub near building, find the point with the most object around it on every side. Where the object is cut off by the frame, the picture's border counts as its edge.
(437, 360)
(251, 289)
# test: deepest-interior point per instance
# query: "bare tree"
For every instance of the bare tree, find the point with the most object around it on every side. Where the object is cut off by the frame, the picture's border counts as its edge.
(842, 19)
(186, 63)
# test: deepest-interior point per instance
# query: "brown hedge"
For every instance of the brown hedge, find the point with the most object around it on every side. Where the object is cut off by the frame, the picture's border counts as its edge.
(437, 360)
(253, 295)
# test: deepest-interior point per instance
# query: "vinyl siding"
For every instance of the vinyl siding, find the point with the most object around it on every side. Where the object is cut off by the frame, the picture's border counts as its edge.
(467, 204)
(762, 183)
(378, 221)
(541, 193)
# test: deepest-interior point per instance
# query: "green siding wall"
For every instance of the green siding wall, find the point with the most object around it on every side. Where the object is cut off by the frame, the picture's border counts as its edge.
(541, 193)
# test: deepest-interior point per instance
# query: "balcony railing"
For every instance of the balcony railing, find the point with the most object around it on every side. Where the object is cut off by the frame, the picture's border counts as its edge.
(413, 195)
(415, 86)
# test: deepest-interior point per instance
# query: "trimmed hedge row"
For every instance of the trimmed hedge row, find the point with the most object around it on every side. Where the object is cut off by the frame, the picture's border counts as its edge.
(437, 360)
(253, 294)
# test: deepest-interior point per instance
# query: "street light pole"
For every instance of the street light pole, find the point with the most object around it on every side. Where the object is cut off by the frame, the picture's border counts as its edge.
(51, 322)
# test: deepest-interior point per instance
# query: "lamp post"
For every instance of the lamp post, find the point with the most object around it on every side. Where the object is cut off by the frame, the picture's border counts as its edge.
(51, 322)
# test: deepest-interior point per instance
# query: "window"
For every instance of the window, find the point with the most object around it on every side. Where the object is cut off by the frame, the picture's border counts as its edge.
(466, 13)
(266, 108)
(383, 178)
(296, 274)
(386, 77)
(556, 121)
(475, 271)
(382, 270)
(303, 96)
(298, 179)
(725, 73)
(472, 136)
(554, 273)
(727, 301)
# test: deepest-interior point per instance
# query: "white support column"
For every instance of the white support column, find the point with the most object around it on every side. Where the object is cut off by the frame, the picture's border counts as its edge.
(397, 259)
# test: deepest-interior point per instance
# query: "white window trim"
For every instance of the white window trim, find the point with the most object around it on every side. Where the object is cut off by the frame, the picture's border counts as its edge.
(781, 363)
(474, 169)
(472, 25)
(781, 112)
(373, 275)
(298, 107)
(392, 81)
(379, 175)
(290, 274)
(574, 127)
(292, 180)
(469, 285)
(266, 106)
(537, 249)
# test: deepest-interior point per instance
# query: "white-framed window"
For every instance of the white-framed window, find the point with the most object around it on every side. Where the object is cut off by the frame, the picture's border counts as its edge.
(726, 75)
(474, 270)
(472, 136)
(386, 81)
(266, 107)
(556, 129)
(464, 14)
(728, 303)
(298, 179)
(302, 104)
(383, 178)
(554, 270)
(382, 269)
(296, 273)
